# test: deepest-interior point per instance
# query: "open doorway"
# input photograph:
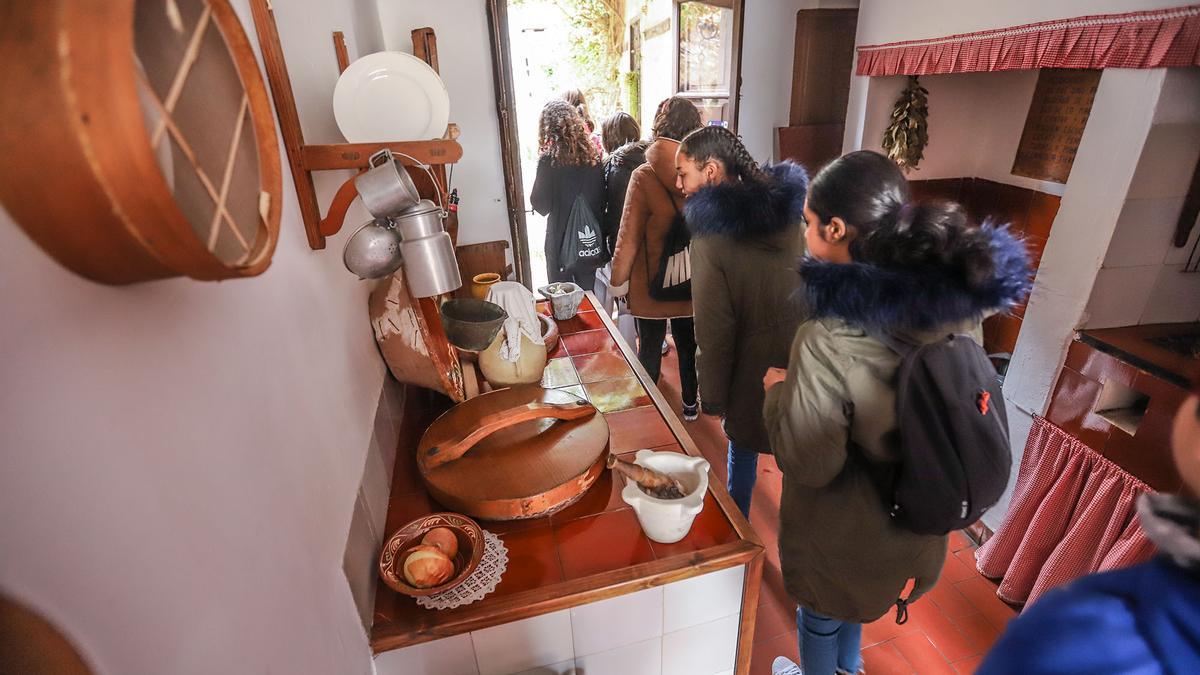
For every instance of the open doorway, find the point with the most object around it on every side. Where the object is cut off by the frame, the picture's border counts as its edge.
(624, 56)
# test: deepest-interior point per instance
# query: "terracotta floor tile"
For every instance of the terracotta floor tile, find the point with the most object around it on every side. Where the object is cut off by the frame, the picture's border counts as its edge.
(979, 633)
(920, 652)
(532, 561)
(967, 556)
(583, 321)
(765, 651)
(885, 659)
(982, 593)
(589, 342)
(885, 628)
(601, 366)
(624, 543)
(954, 570)
(602, 497)
(959, 541)
(635, 429)
(968, 666)
(952, 603)
(776, 616)
(710, 528)
(941, 631)
(617, 395)
(559, 373)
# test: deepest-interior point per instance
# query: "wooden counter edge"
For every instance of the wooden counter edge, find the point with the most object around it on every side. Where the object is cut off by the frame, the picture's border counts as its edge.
(740, 524)
(540, 601)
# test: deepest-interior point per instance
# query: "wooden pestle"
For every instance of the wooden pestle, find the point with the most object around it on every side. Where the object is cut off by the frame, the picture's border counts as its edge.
(653, 482)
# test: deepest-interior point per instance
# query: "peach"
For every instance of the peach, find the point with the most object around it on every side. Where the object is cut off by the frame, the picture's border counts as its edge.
(427, 566)
(443, 538)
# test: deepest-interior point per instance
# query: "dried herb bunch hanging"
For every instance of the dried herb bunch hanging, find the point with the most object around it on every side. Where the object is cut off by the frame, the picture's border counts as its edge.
(905, 138)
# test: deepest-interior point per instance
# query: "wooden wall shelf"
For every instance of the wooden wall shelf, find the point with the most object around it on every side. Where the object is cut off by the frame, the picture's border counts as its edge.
(304, 159)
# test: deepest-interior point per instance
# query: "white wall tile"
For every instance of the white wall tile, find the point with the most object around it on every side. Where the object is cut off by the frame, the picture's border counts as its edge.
(1167, 161)
(359, 558)
(562, 668)
(617, 622)
(1176, 297)
(643, 658)
(701, 599)
(1179, 256)
(701, 650)
(448, 656)
(1119, 295)
(1144, 232)
(522, 645)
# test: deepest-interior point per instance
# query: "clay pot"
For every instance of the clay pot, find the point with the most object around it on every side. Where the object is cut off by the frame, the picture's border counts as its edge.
(500, 373)
(482, 283)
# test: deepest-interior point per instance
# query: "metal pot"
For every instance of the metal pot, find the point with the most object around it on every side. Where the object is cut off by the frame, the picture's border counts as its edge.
(373, 251)
(431, 266)
(386, 188)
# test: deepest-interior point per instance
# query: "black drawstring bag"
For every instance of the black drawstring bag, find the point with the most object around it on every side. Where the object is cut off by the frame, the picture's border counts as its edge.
(583, 241)
(673, 281)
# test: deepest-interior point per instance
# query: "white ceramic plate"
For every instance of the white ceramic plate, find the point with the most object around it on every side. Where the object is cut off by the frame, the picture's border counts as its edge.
(390, 96)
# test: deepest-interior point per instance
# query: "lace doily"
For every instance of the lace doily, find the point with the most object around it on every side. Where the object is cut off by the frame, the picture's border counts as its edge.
(482, 581)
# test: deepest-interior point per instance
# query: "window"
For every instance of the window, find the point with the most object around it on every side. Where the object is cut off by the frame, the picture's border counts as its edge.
(705, 39)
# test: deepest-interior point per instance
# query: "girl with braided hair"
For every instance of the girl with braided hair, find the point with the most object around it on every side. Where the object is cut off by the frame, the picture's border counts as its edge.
(569, 167)
(745, 223)
(652, 204)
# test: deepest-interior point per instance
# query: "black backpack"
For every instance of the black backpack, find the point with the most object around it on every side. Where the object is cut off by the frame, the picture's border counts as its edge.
(583, 246)
(674, 278)
(955, 456)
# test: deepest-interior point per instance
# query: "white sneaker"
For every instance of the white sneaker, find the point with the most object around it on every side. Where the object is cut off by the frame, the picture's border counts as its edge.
(782, 665)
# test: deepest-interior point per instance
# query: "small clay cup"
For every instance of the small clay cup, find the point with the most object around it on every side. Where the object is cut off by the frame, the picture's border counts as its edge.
(482, 283)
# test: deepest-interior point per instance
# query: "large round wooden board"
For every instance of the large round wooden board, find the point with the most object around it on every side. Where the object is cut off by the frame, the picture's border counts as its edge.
(524, 471)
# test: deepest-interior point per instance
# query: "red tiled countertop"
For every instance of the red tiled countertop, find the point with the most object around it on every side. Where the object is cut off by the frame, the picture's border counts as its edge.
(594, 548)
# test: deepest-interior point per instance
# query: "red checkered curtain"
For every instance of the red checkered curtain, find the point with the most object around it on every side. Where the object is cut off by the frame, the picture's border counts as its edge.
(1073, 512)
(1163, 38)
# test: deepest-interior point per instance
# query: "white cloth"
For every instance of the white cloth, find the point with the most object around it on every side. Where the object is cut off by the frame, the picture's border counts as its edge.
(522, 317)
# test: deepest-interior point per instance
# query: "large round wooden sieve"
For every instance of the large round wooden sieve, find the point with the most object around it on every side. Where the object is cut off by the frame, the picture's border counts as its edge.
(515, 453)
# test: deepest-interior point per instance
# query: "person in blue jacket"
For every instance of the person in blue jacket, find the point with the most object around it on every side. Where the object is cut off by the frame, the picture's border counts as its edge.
(1144, 619)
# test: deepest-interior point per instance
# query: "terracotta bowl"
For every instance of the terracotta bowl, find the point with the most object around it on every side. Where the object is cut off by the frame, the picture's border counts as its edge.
(470, 551)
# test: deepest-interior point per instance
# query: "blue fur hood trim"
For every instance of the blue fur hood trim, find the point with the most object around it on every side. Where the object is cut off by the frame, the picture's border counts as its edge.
(743, 209)
(918, 300)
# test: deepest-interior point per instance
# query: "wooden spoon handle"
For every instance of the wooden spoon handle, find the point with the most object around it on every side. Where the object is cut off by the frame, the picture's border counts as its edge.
(489, 424)
(336, 217)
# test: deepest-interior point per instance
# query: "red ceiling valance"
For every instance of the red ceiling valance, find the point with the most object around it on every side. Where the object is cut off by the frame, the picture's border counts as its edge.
(1159, 38)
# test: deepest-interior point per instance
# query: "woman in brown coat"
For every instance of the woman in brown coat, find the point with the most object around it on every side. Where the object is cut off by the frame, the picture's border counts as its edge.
(651, 205)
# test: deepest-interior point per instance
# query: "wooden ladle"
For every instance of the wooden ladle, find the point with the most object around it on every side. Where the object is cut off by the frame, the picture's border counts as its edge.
(455, 447)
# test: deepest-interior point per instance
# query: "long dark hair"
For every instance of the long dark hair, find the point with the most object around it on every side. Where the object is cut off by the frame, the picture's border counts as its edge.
(722, 144)
(619, 129)
(576, 98)
(868, 192)
(563, 137)
(676, 117)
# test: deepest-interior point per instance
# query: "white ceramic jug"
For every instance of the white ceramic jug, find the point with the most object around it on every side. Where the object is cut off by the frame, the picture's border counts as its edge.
(669, 520)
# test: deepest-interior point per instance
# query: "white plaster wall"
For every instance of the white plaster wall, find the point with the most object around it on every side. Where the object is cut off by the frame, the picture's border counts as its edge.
(1142, 280)
(179, 460)
(768, 53)
(465, 61)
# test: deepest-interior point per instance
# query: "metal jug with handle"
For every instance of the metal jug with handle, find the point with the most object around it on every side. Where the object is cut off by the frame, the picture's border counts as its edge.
(386, 188)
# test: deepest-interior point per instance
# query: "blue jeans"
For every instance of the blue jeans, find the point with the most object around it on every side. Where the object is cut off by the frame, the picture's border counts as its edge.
(743, 472)
(828, 645)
